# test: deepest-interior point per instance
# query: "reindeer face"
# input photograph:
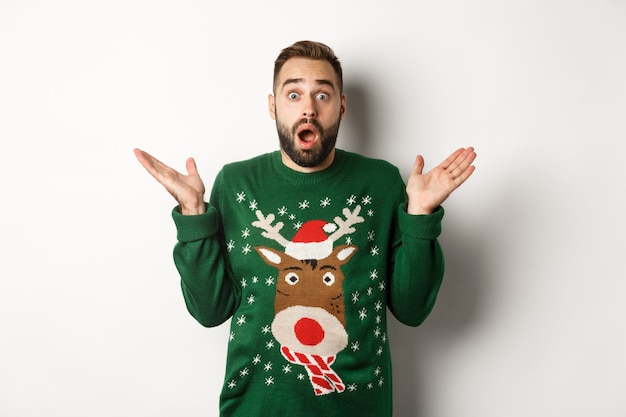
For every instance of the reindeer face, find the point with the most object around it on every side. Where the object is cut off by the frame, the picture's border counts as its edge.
(309, 304)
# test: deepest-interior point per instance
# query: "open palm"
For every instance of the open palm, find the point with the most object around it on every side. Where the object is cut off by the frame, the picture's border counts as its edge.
(427, 191)
(188, 190)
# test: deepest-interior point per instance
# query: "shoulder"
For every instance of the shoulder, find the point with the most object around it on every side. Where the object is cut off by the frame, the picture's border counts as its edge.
(368, 165)
(250, 166)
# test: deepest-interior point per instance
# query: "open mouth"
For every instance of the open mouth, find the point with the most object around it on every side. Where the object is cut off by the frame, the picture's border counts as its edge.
(307, 135)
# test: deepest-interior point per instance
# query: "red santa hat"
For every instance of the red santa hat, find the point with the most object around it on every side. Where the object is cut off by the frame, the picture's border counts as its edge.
(311, 241)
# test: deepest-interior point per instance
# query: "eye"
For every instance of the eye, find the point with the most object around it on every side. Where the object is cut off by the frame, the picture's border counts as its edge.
(292, 278)
(292, 96)
(322, 96)
(329, 279)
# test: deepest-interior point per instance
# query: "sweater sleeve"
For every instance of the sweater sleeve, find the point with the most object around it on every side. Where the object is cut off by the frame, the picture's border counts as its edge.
(418, 267)
(207, 284)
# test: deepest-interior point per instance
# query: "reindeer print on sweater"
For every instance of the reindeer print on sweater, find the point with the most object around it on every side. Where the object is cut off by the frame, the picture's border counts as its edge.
(309, 305)
(309, 327)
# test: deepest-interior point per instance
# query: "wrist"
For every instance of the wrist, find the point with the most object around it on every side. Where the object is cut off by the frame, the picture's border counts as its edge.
(193, 210)
(415, 209)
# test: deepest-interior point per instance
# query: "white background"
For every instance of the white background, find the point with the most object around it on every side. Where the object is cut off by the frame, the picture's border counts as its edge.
(531, 318)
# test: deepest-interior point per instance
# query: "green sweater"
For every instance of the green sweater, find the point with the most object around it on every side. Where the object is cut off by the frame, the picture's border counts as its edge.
(306, 266)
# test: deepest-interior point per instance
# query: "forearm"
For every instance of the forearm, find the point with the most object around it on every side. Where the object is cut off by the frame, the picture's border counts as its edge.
(210, 293)
(418, 269)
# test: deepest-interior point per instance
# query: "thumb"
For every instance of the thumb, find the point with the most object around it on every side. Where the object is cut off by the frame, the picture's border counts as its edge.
(192, 169)
(418, 166)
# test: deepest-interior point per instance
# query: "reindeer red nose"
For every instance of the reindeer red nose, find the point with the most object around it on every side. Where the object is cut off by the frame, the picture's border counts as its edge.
(308, 331)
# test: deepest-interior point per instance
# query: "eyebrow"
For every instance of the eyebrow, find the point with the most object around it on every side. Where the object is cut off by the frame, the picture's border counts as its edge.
(301, 80)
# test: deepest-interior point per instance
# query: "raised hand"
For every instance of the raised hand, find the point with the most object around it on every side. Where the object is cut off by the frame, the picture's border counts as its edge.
(188, 190)
(427, 191)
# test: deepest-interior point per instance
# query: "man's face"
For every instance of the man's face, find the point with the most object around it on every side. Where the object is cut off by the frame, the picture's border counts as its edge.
(308, 108)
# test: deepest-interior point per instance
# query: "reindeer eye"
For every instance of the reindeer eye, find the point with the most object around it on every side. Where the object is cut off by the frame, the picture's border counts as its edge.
(292, 278)
(329, 279)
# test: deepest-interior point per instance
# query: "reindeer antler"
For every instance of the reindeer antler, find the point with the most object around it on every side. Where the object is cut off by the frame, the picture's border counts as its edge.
(271, 232)
(345, 226)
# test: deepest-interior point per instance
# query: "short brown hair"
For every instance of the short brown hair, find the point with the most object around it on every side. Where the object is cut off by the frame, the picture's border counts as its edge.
(310, 50)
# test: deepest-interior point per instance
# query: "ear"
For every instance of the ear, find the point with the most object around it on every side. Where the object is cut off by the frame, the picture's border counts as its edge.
(343, 253)
(270, 256)
(342, 111)
(271, 106)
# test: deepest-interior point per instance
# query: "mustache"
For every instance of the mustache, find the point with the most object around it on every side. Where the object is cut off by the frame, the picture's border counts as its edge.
(306, 120)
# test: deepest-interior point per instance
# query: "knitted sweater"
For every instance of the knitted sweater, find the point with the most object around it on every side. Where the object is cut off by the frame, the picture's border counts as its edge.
(306, 266)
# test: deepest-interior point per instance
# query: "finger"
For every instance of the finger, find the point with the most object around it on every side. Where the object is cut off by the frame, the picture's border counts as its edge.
(462, 162)
(464, 175)
(161, 172)
(146, 160)
(451, 159)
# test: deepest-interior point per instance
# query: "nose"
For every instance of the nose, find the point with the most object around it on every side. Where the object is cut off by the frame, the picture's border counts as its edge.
(308, 110)
(308, 331)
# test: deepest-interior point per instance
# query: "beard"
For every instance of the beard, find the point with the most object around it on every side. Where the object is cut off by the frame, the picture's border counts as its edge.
(307, 158)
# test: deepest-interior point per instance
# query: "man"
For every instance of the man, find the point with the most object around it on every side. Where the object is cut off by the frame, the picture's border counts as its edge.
(305, 248)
